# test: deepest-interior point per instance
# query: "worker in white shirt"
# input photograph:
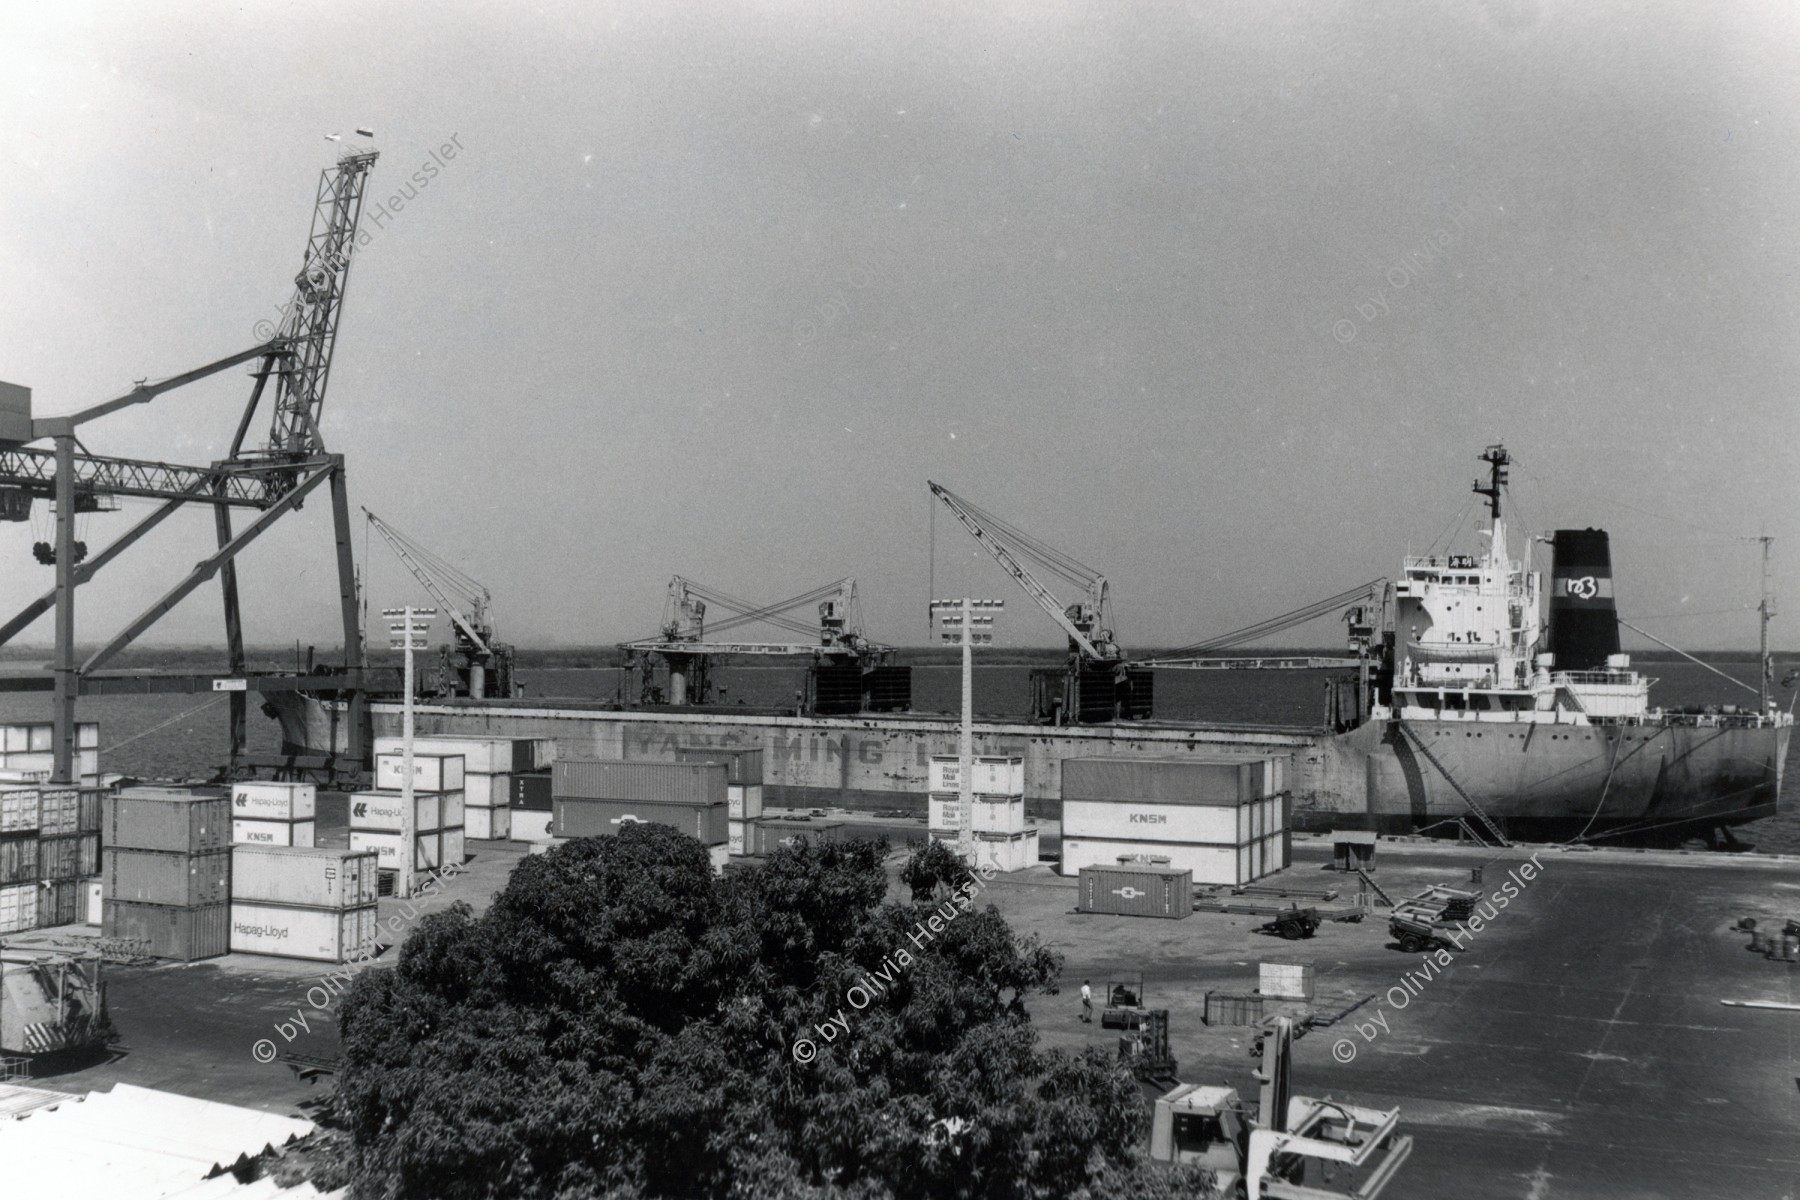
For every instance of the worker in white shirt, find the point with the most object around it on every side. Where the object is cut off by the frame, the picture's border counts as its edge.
(1087, 1003)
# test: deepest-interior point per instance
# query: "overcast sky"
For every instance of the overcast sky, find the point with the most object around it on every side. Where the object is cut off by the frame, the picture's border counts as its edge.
(1222, 298)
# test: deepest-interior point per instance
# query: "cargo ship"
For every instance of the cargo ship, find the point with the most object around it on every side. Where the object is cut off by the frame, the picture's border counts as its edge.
(1473, 711)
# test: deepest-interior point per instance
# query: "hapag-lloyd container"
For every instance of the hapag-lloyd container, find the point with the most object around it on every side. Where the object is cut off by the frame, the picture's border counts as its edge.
(431, 772)
(745, 800)
(165, 877)
(743, 764)
(659, 782)
(182, 934)
(387, 811)
(579, 817)
(318, 934)
(318, 878)
(259, 801)
(1136, 891)
(273, 833)
(1194, 780)
(991, 775)
(147, 818)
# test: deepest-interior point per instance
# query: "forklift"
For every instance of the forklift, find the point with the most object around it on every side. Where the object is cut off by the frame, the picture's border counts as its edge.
(1124, 1003)
(1293, 1148)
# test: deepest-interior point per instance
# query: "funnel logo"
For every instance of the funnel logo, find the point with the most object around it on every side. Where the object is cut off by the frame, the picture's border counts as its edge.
(1584, 588)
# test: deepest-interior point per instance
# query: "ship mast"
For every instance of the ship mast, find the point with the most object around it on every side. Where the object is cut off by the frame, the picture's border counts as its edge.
(1765, 609)
(1498, 460)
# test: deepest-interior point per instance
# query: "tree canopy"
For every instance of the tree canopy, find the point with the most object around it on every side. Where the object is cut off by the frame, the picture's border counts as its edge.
(622, 1023)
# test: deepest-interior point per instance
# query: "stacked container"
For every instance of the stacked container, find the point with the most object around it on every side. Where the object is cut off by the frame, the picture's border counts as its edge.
(743, 786)
(304, 903)
(377, 819)
(997, 791)
(599, 798)
(1226, 820)
(167, 870)
(489, 765)
(274, 814)
(531, 807)
(766, 835)
(49, 834)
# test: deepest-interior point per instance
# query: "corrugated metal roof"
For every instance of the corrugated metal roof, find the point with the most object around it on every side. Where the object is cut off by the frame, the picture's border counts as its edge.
(21, 1101)
(135, 1143)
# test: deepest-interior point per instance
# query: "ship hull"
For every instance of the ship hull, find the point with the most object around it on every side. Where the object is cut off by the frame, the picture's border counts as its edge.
(1657, 781)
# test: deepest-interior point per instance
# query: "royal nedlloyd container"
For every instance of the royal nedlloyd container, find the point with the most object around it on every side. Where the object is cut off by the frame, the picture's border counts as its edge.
(989, 774)
(1136, 891)
(318, 934)
(274, 801)
(318, 878)
(991, 814)
(659, 782)
(431, 772)
(182, 934)
(165, 877)
(578, 817)
(168, 819)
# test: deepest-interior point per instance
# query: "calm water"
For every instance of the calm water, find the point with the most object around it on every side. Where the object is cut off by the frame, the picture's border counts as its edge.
(182, 736)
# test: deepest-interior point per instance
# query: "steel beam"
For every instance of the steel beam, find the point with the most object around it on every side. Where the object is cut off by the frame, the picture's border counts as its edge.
(62, 710)
(234, 635)
(246, 485)
(155, 683)
(202, 572)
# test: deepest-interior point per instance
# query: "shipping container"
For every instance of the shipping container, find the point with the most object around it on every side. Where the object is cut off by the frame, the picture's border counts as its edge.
(319, 934)
(59, 811)
(530, 825)
(144, 818)
(19, 907)
(719, 855)
(765, 836)
(1286, 978)
(744, 802)
(18, 810)
(1233, 1008)
(660, 782)
(992, 814)
(1132, 820)
(386, 811)
(19, 859)
(69, 857)
(487, 791)
(317, 878)
(488, 824)
(453, 810)
(164, 877)
(1000, 852)
(1142, 891)
(1194, 780)
(990, 775)
(92, 809)
(743, 764)
(95, 895)
(66, 896)
(481, 756)
(428, 848)
(456, 848)
(531, 792)
(734, 837)
(431, 772)
(182, 934)
(1228, 865)
(274, 801)
(302, 834)
(542, 754)
(577, 817)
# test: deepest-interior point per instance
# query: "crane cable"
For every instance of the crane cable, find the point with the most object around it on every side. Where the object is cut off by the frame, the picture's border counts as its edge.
(1289, 620)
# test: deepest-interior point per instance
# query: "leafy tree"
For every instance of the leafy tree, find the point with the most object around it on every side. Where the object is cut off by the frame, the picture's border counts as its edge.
(932, 863)
(622, 1024)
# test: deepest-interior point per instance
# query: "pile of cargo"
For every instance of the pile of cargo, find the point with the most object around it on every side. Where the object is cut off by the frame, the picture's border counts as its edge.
(743, 790)
(997, 790)
(594, 798)
(49, 834)
(299, 902)
(1225, 820)
(377, 818)
(167, 870)
(491, 768)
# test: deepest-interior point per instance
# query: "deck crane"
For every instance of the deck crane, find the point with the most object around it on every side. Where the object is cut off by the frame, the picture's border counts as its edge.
(849, 673)
(1098, 684)
(475, 664)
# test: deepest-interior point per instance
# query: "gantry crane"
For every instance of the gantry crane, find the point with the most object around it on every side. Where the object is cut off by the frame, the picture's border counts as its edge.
(1098, 683)
(849, 673)
(271, 480)
(476, 664)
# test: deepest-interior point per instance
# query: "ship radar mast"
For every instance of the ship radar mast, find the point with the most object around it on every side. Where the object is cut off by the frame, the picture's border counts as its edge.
(1498, 461)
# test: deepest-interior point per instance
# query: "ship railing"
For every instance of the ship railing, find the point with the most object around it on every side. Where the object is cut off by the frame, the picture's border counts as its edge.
(1600, 677)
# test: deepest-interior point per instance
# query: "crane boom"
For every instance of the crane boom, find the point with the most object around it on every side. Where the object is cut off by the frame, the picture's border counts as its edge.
(1001, 551)
(429, 581)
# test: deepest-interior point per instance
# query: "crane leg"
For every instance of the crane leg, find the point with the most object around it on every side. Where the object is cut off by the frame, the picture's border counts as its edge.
(234, 637)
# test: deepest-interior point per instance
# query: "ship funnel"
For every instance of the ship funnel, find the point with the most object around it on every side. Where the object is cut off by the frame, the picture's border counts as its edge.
(1584, 625)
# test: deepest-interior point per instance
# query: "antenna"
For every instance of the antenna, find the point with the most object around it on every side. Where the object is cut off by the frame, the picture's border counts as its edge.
(1498, 460)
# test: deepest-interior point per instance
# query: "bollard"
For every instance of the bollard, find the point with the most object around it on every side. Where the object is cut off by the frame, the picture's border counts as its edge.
(1475, 876)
